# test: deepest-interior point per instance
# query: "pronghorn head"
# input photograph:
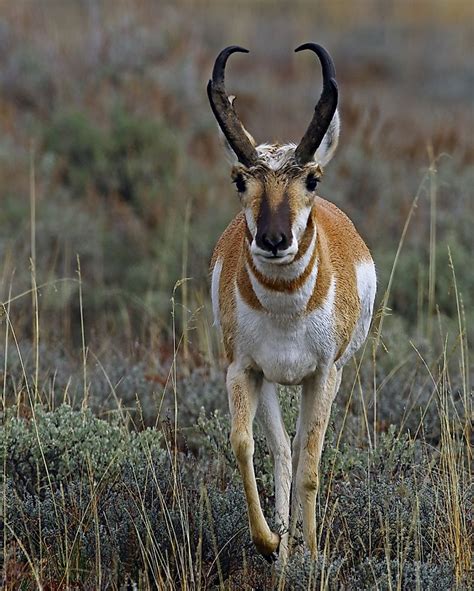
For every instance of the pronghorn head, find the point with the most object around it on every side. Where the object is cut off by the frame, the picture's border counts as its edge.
(277, 183)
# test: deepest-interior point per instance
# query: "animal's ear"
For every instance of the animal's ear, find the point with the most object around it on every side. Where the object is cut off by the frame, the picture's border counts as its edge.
(231, 156)
(328, 146)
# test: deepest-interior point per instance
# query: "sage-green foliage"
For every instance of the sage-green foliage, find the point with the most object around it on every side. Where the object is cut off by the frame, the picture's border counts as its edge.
(82, 146)
(371, 573)
(51, 447)
(78, 488)
(102, 490)
(130, 157)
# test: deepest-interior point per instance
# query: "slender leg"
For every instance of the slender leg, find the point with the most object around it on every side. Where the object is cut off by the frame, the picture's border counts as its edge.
(270, 418)
(317, 397)
(295, 456)
(243, 391)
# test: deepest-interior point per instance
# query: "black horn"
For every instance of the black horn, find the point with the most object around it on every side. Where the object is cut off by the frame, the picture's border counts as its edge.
(324, 110)
(224, 111)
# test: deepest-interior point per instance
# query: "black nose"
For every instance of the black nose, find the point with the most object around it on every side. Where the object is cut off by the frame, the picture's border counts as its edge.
(274, 242)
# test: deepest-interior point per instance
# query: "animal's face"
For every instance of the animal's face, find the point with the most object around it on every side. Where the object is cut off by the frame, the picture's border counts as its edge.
(277, 205)
(277, 184)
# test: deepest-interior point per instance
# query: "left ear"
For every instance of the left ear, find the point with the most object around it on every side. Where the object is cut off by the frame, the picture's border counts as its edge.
(231, 156)
(328, 146)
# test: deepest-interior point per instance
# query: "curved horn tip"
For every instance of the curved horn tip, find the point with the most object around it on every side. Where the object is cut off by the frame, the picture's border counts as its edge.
(221, 61)
(238, 48)
(312, 46)
(327, 64)
(230, 50)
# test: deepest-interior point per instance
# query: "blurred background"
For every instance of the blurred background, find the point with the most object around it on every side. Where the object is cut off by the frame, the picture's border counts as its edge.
(114, 187)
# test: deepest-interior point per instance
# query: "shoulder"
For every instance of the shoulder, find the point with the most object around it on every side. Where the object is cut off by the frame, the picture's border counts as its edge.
(326, 211)
(338, 229)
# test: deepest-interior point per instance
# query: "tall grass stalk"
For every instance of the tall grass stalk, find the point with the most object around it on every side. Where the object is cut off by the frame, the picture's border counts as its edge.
(34, 290)
(184, 273)
(83, 337)
(464, 362)
(432, 246)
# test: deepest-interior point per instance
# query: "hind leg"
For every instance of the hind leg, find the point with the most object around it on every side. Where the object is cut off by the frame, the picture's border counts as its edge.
(269, 416)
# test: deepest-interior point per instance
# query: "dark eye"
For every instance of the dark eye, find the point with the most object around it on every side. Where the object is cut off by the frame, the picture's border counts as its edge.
(311, 182)
(240, 183)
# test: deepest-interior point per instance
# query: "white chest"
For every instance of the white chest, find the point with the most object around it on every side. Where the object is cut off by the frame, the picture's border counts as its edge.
(286, 347)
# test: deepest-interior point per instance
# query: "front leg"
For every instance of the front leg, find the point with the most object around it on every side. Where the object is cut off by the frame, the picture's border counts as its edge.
(318, 394)
(243, 387)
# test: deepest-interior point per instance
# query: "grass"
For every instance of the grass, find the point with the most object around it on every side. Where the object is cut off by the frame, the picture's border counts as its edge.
(117, 470)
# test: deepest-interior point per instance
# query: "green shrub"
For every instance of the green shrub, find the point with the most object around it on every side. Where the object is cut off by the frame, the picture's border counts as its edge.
(80, 148)
(131, 157)
(82, 490)
(52, 447)
(304, 574)
(90, 492)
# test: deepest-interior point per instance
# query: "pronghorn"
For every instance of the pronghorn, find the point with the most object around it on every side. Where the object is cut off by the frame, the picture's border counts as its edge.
(293, 288)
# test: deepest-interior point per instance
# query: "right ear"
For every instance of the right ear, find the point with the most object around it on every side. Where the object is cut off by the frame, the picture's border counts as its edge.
(328, 145)
(230, 154)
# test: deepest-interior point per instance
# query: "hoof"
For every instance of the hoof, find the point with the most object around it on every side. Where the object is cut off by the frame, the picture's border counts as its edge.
(271, 558)
(269, 548)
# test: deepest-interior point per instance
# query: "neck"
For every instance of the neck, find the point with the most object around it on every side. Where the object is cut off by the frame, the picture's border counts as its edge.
(282, 289)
